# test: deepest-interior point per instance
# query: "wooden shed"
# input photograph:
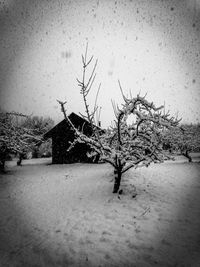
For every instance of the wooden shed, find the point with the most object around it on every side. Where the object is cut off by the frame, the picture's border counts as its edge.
(62, 134)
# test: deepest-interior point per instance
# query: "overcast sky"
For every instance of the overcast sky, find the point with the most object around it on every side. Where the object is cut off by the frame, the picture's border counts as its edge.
(152, 46)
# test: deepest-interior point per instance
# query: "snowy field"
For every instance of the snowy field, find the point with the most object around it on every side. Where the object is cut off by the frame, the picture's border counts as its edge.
(66, 215)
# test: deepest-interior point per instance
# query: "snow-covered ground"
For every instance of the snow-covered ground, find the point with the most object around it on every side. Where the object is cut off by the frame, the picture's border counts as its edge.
(66, 215)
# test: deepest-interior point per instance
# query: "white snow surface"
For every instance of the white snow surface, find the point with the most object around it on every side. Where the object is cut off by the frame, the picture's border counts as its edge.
(66, 215)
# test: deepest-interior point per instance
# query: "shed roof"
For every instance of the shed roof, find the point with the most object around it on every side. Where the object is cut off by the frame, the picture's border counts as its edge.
(77, 120)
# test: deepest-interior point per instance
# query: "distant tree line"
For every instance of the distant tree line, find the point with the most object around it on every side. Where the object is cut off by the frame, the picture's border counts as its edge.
(21, 134)
(39, 126)
(183, 140)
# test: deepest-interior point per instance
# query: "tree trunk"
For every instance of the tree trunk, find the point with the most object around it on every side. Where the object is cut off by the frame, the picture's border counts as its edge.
(19, 162)
(2, 166)
(35, 154)
(118, 175)
(186, 154)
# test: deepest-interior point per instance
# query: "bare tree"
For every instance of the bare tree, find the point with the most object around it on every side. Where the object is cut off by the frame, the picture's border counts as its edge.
(184, 139)
(14, 138)
(124, 145)
(38, 125)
